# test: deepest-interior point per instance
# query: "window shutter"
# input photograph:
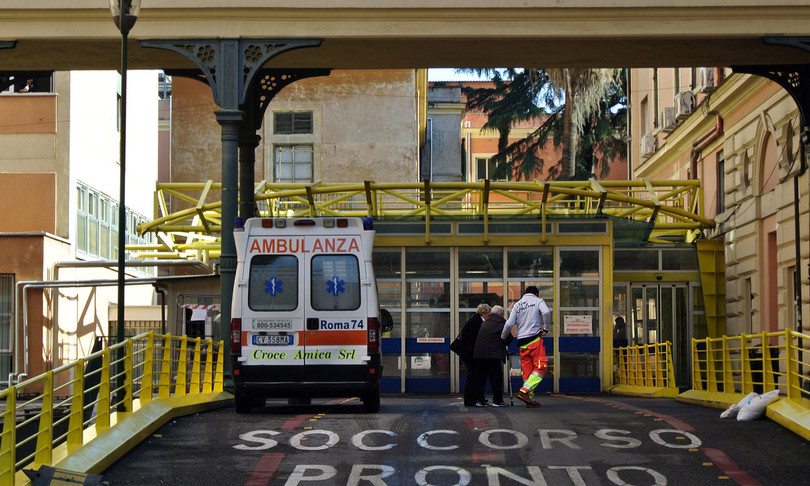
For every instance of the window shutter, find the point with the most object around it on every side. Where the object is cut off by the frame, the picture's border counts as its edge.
(302, 123)
(283, 122)
(289, 122)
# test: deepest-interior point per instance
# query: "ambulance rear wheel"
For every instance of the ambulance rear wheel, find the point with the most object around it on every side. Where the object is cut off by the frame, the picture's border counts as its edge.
(371, 402)
(242, 403)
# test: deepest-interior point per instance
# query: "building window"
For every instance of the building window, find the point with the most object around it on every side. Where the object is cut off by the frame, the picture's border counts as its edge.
(293, 163)
(97, 226)
(292, 122)
(485, 169)
(43, 83)
(6, 303)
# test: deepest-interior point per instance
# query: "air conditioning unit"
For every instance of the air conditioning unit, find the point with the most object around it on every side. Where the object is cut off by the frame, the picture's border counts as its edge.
(684, 104)
(668, 120)
(648, 143)
(706, 79)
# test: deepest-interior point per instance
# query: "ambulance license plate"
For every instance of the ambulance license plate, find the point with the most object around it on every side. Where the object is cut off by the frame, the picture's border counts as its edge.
(273, 340)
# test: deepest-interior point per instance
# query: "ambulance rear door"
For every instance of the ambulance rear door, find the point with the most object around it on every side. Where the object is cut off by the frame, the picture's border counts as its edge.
(305, 300)
(273, 317)
(336, 319)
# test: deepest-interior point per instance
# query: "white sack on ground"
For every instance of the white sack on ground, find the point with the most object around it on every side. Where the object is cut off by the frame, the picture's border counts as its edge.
(734, 409)
(757, 406)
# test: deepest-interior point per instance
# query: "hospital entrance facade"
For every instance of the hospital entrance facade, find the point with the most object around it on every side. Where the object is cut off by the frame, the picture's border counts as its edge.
(603, 293)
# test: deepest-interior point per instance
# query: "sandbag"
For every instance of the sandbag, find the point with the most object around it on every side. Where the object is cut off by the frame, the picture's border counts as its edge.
(732, 411)
(757, 405)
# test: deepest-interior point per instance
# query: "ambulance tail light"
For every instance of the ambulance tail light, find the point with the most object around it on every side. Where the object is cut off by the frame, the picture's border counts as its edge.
(267, 223)
(343, 223)
(236, 336)
(373, 335)
(304, 222)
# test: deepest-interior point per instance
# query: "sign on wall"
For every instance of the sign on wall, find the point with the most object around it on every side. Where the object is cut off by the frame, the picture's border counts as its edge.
(578, 324)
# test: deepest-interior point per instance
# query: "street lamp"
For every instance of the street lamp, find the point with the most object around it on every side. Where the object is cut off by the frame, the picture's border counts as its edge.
(124, 14)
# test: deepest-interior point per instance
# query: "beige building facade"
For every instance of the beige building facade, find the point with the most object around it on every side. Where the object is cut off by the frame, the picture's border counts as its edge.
(740, 135)
(59, 194)
(346, 127)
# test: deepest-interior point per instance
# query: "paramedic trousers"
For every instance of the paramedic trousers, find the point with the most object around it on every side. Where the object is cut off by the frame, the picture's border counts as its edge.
(533, 363)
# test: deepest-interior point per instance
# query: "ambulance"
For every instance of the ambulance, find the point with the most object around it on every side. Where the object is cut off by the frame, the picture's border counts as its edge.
(306, 321)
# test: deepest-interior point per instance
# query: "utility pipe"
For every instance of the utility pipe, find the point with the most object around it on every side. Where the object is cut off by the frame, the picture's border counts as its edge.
(103, 264)
(26, 285)
(55, 283)
(703, 142)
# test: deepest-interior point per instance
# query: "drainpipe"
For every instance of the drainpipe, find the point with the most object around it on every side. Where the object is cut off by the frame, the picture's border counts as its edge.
(703, 142)
(797, 281)
(162, 294)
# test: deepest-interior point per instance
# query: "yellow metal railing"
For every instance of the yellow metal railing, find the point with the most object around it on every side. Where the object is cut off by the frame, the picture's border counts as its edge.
(753, 363)
(188, 215)
(647, 366)
(52, 415)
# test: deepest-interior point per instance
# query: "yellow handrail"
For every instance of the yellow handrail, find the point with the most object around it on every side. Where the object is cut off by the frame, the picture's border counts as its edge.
(753, 362)
(646, 366)
(61, 406)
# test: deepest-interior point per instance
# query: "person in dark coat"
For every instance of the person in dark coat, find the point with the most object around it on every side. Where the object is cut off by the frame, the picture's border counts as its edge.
(469, 333)
(489, 356)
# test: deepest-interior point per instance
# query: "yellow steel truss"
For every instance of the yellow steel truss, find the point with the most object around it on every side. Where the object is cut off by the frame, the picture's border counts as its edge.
(188, 219)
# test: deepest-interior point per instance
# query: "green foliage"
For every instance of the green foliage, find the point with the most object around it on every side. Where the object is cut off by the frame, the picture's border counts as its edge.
(520, 95)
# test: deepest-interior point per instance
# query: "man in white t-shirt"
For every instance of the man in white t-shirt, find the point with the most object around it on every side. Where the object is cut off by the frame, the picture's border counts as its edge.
(532, 317)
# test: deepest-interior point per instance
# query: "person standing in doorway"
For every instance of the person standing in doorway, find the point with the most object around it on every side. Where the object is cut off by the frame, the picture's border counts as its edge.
(489, 356)
(532, 317)
(469, 333)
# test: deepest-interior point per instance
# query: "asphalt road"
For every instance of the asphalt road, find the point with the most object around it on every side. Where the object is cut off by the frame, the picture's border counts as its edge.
(434, 440)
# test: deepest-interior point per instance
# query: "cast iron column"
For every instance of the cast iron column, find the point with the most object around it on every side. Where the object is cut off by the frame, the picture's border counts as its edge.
(229, 66)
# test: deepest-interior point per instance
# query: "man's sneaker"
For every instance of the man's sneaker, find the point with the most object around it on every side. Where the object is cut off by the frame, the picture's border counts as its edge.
(481, 404)
(501, 404)
(532, 404)
(525, 397)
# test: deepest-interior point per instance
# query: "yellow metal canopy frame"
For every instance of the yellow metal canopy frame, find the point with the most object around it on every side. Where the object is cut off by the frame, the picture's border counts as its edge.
(188, 219)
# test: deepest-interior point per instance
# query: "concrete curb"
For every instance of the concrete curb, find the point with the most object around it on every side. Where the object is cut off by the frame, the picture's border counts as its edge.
(791, 415)
(644, 391)
(100, 453)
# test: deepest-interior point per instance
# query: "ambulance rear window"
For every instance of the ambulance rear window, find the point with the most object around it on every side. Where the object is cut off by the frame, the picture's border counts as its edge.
(335, 282)
(273, 283)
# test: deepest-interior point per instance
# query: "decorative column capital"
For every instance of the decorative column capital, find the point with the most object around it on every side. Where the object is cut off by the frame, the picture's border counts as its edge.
(229, 65)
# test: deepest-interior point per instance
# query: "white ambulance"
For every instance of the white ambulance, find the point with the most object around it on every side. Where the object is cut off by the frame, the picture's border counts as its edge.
(305, 318)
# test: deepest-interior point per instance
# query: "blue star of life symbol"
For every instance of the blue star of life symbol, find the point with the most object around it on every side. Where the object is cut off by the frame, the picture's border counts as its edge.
(335, 286)
(273, 287)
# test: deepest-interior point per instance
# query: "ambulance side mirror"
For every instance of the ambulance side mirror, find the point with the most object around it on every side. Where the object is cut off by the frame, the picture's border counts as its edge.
(386, 321)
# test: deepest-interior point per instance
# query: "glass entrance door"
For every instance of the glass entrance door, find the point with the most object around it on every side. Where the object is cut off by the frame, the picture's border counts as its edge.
(579, 341)
(428, 303)
(660, 314)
